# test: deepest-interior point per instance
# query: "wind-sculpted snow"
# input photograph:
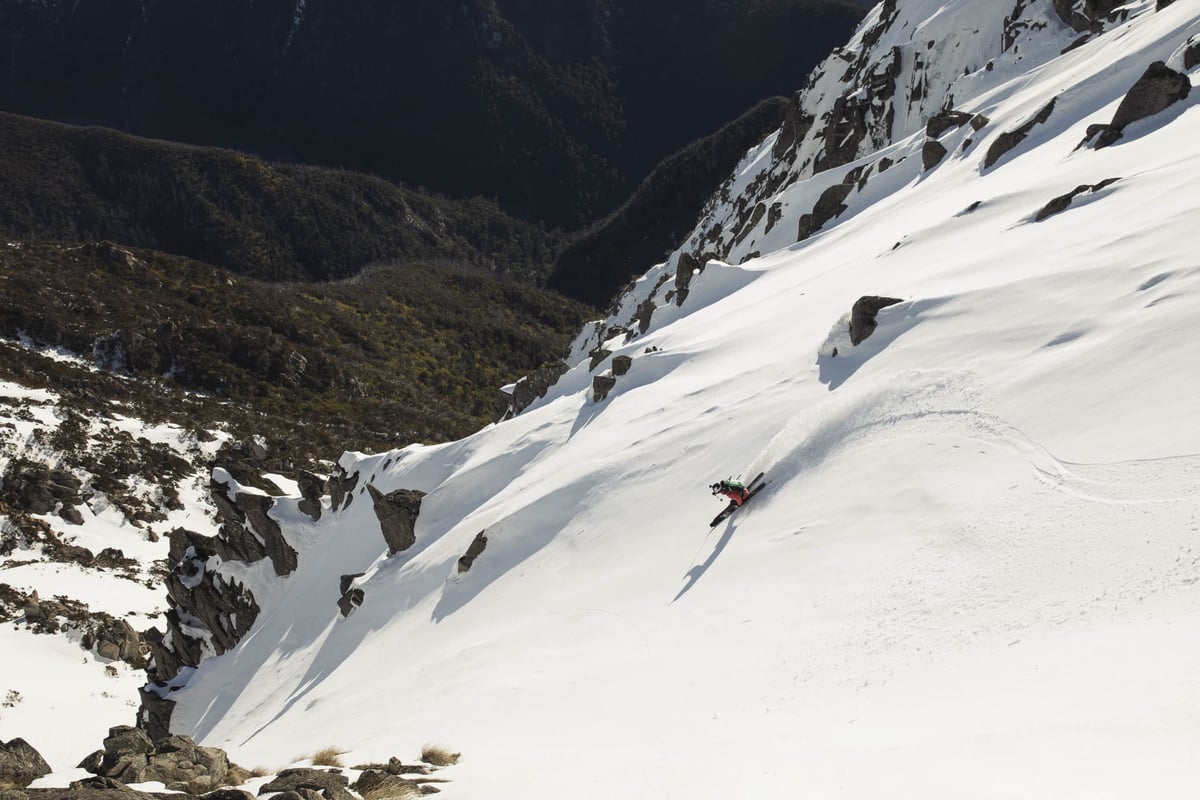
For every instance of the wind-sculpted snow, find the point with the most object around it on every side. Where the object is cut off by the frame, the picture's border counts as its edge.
(973, 570)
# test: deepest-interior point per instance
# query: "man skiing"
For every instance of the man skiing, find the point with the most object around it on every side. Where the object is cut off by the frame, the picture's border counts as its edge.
(734, 490)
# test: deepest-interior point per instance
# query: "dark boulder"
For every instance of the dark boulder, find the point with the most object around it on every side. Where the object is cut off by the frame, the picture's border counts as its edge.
(1085, 15)
(863, 313)
(330, 785)
(598, 355)
(1062, 202)
(1191, 54)
(945, 120)
(1007, 140)
(530, 388)
(116, 640)
(341, 488)
(311, 490)
(932, 154)
(601, 386)
(621, 365)
(686, 268)
(350, 596)
(129, 756)
(473, 551)
(397, 514)
(1159, 88)
(20, 764)
(644, 312)
(829, 205)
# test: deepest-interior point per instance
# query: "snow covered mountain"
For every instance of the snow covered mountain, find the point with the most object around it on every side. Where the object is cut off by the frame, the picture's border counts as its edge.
(975, 569)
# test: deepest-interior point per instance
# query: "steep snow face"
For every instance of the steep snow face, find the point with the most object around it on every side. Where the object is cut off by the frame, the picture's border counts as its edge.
(975, 570)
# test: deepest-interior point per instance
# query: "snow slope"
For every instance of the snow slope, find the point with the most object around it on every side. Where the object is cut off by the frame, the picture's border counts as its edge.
(976, 569)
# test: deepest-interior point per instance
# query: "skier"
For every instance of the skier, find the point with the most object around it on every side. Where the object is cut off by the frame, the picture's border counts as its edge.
(734, 490)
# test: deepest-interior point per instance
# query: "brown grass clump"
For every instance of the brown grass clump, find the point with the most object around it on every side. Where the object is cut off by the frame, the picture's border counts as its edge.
(327, 757)
(439, 756)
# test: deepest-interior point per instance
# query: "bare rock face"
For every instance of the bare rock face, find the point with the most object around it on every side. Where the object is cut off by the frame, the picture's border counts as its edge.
(621, 365)
(473, 551)
(397, 513)
(237, 542)
(862, 316)
(1159, 88)
(20, 764)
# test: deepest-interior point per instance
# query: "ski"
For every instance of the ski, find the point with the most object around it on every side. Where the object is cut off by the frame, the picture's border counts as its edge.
(732, 507)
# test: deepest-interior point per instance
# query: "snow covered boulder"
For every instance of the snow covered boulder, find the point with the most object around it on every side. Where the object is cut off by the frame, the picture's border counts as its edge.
(397, 514)
(20, 764)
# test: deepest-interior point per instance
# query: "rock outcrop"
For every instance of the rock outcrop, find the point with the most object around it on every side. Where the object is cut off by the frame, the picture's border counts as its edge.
(341, 489)
(321, 783)
(312, 489)
(601, 386)
(530, 388)
(1063, 202)
(1159, 88)
(130, 756)
(38, 489)
(1007, 140)
(477, 546)
(862, 316)
(350, 596)
(20, 764)
(397, 514)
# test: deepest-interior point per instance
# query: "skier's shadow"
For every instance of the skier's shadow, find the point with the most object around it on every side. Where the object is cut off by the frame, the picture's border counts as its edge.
(695, 573)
